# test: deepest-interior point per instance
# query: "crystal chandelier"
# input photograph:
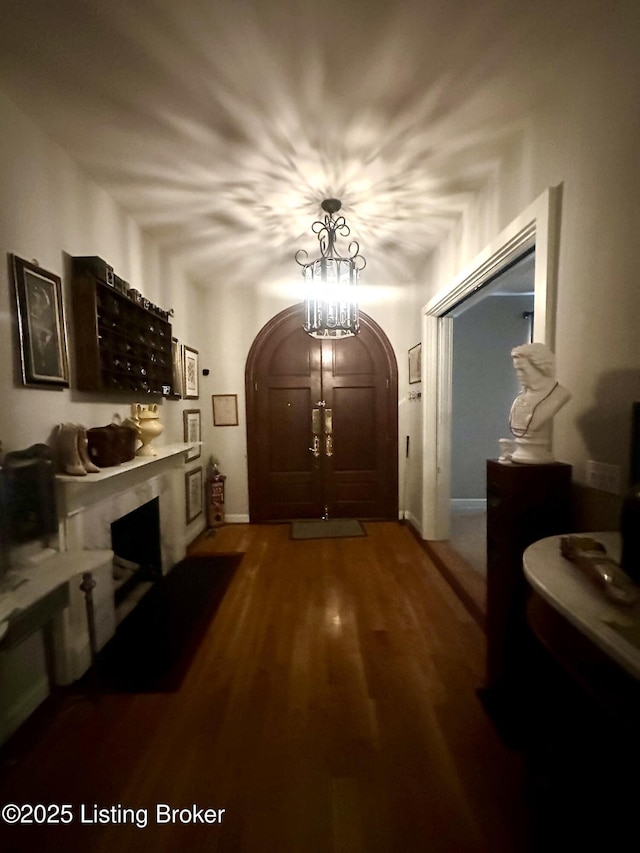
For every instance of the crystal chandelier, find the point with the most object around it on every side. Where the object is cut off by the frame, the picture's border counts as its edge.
(331, 307)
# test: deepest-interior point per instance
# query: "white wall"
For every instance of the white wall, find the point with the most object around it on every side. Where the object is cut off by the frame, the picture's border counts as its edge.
(50, 210)
(583, 135)
(410, 414)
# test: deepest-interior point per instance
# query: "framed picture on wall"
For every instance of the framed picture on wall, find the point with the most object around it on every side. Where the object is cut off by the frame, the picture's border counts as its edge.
(193, 494)
(190, 369)
(415, 364)
(225, 409)
(192, 427)
(42, 339)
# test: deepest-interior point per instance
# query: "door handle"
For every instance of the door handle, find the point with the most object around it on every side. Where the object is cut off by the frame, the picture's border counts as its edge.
(321, 423)
(316, 427)
(328, 432)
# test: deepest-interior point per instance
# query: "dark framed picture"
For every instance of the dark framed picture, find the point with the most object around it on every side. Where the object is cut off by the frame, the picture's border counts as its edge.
(192, 424)
(190, 370)
(225, 409)
(415, 364)
(41, 327)
(193, 494)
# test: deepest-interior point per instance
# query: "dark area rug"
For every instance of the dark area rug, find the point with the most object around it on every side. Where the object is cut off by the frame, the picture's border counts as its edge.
(154, 646)
(332, 528)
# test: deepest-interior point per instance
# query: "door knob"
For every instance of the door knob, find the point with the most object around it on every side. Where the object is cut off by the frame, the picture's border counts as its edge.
(316, 426)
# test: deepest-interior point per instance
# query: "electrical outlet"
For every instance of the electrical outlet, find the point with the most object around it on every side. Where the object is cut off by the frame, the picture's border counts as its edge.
(604, 477)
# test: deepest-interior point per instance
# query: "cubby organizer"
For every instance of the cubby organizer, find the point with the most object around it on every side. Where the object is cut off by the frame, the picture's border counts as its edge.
(120, 344)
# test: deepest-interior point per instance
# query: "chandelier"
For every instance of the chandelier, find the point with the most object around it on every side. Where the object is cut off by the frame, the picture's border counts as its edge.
(331, 307)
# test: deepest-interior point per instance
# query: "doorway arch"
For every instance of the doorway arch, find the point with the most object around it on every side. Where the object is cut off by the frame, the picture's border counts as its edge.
(322, 423)
(537, 226)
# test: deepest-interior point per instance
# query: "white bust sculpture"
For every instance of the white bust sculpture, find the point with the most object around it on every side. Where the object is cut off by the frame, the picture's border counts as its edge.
(533, 410)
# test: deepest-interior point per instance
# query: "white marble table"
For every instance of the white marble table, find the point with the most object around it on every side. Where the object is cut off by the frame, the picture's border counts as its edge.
(35, 593)
(578, 598)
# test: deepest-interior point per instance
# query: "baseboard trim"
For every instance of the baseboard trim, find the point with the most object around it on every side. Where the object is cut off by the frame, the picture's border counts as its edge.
(469, 504)
(413, 522)
(468, 585)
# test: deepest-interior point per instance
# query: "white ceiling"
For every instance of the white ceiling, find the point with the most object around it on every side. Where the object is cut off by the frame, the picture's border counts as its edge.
(220, 125)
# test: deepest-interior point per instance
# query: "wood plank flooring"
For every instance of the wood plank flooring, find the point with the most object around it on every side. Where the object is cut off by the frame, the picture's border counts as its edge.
(330, 708)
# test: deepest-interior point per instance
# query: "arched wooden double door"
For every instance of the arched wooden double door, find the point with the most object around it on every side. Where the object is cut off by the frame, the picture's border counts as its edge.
(322, 423)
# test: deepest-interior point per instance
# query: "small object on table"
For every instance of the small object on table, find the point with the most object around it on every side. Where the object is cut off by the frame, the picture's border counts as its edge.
(591, 556)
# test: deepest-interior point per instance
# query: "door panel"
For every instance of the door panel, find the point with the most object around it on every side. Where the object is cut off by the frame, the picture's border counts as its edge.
(355, 449)
(287, 410)
(290, 358)
(352, 359)
(359, 469)
(351, 385)
(281, 391)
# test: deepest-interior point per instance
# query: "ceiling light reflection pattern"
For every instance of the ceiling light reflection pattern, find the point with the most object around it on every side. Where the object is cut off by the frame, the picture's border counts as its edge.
(221, 128)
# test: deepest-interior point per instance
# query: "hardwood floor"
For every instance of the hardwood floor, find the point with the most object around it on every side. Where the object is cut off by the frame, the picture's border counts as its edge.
(330, 707)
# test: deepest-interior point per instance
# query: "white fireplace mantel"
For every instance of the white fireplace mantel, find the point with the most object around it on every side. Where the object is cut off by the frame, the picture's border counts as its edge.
(75, 494)
(87, 508)
(49, 597)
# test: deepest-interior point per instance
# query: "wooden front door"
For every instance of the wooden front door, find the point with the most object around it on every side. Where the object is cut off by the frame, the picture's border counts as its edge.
(322, 423)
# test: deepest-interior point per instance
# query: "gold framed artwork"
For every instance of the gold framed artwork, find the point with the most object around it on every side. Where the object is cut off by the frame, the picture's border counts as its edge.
(192, 431)
(41, 327)
(225, 409)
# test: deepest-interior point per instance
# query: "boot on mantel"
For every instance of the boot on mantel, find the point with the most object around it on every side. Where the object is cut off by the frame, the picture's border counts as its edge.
(69, 452)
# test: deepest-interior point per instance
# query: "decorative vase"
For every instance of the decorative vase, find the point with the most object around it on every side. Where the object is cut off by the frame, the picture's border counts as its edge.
(149, 427)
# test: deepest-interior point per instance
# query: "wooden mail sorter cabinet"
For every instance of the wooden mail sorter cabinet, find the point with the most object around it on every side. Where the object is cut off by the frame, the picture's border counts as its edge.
(120, 344)
(524, 503)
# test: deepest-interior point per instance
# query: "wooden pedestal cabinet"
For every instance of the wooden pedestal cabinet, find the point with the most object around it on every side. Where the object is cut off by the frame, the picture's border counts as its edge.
(524, 503)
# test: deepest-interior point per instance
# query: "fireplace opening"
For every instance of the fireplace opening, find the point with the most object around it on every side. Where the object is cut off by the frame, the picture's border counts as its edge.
(137, 561)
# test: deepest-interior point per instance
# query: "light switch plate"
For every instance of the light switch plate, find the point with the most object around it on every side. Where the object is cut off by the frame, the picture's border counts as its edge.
(605, 477)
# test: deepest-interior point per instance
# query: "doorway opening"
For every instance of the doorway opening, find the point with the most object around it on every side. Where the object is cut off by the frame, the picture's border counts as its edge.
(536, 227)
(486, 327)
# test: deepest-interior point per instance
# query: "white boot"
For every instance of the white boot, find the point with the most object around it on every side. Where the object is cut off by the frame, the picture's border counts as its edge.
(68, 449)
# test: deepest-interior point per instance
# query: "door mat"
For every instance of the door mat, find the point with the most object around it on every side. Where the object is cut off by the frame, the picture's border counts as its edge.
(154, 646)
(332, 528)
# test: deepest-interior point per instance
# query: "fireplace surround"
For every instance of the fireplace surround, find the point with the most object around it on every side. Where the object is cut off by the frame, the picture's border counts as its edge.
(44, 626)
(88, 507)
